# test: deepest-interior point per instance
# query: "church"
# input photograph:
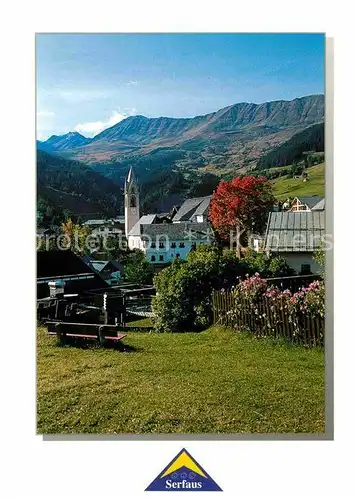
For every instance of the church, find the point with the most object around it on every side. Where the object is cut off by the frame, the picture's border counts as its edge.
(160, 240)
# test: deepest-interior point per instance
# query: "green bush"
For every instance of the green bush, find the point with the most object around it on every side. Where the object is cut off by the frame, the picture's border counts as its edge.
(137, 269)
(183, 300)
(267, 267)
(184, 289)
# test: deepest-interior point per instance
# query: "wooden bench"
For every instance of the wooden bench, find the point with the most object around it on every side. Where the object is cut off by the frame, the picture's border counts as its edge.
(94, 331)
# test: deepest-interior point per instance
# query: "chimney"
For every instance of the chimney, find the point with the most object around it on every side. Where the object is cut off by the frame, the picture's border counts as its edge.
(56, 288)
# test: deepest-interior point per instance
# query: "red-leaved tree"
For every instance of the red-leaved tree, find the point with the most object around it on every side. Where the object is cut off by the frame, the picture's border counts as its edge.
(241, 205)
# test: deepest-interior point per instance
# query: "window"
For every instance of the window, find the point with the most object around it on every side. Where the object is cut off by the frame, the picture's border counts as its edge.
(153, 258)
(133, 201)
(305, 269)
(194, 246)
(174, 245)
(161, 244)
(161, 258)
(178, 255)
(181, 244)
(153, 245)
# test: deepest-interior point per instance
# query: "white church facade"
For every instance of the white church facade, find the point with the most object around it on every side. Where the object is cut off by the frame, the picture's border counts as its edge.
(164, 242)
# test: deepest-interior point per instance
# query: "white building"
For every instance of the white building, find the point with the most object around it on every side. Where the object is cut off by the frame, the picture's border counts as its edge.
(193, 210)
(106, 227)
(164, 242)
(307, 204)
(295, 236)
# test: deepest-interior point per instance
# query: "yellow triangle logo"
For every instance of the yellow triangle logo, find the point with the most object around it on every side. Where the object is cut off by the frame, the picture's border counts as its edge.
(183, 460)
(185, 474)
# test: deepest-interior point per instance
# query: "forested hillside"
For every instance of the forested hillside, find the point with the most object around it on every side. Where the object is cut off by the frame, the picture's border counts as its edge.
(311, 139)
(68, 185)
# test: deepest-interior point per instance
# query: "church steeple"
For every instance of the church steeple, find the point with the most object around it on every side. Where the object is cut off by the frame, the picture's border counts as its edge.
(132, 202)
(131, 177)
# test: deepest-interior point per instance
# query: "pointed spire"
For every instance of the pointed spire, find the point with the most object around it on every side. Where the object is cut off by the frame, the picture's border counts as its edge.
(131, 177)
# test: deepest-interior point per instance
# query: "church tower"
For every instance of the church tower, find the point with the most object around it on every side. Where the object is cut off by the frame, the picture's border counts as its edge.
(132, 202)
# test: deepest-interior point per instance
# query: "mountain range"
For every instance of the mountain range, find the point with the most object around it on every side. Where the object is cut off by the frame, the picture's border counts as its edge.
(232, 138)
(228, 142)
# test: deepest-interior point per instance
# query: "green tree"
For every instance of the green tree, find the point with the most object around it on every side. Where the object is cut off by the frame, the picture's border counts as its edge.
(319, 257)
(267, 266)
(137, 269)
(184, 289)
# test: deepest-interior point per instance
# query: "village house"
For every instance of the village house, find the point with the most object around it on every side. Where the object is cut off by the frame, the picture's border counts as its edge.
(64, 266)
(305, 204)
(114, 227)
(163, 241)
(195, 210)
(109, 270)
(295, 236)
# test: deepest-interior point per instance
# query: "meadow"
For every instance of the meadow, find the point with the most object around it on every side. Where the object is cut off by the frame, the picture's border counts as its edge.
(283, 187)
(217, 381)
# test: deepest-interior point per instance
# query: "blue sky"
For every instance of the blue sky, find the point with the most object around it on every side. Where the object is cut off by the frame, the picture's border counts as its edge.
(88, 82)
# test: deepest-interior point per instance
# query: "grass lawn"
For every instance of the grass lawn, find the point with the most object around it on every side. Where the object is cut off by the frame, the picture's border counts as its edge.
(284, 187)
(141, 322)
(213, 382)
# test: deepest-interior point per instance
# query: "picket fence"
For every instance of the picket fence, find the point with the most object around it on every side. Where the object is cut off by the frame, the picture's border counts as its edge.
(264, 320)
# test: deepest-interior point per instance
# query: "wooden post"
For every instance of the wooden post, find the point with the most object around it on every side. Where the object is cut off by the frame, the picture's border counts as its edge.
(316, 330)
(61, 334)
(123, 311)
(57, 309)
(105, 296)
(101, 336)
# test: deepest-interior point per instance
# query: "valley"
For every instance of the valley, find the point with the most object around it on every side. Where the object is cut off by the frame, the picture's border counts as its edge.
(178, 157)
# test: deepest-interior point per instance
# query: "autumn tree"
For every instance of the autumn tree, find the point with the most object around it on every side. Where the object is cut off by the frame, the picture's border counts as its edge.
(241, 206)
(77, 237)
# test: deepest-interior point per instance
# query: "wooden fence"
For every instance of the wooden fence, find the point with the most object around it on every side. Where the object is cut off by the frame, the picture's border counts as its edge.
(293, 283)
(264, 320)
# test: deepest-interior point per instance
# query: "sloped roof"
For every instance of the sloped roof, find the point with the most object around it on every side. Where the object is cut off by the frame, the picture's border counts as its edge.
(59, 262)
(64, 264)
(87, 259)
(97, 222)
(190, 208)
(118, 265)
(320, 205)
(99, 265)
(163, 214)
(203, 207)
(310, 201)
(103, 222)
(183, 231)
(145, 219)
(294, 231)
(120, 219)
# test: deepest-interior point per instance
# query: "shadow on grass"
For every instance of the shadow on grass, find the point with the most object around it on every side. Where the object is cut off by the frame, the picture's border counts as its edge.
(92, 345)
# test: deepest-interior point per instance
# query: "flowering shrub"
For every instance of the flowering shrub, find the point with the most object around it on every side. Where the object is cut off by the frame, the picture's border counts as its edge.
(252, 288)
(269, 310)
(310, 299)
